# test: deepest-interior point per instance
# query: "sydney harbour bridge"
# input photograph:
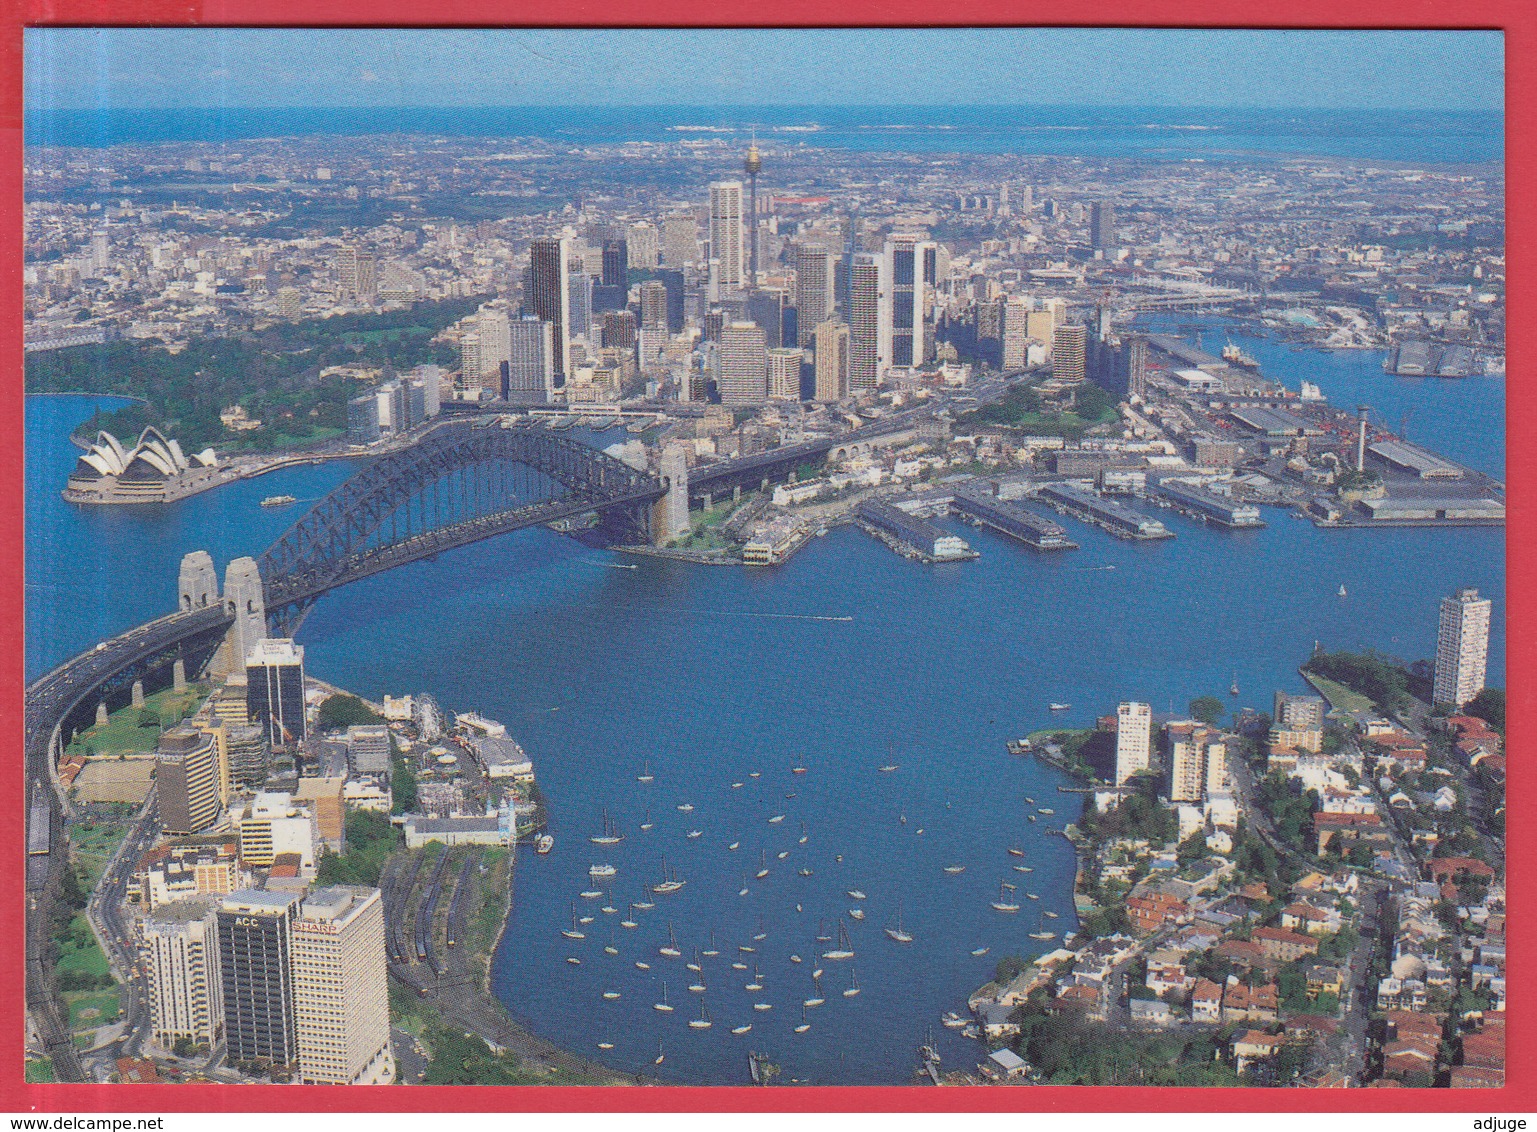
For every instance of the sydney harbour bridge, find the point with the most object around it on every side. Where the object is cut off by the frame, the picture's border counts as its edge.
(463, 481)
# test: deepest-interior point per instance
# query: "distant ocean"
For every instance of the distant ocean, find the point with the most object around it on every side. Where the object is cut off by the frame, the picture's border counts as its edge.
(1415, 136)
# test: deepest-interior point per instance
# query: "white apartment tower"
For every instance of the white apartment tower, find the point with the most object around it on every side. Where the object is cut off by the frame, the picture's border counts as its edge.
(742, 358)
(1133, 740)
(341, 988)
(181, 958)
(1462, 647)
(1197, 761)
(727, 243)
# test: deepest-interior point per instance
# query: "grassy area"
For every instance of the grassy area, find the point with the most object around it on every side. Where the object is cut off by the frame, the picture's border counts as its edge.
(92, 845)
(40, 1072)
(130, 729)
(1340, 697)
(79, 951)
(89, 1009)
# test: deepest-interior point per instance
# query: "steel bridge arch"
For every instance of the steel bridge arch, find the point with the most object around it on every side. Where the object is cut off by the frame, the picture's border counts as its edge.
(318, 552)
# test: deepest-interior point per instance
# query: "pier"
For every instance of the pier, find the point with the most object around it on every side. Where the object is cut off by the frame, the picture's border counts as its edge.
(1120, 521)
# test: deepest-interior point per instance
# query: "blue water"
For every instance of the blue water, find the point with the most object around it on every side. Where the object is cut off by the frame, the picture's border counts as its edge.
(706, 674)
(1167, 132)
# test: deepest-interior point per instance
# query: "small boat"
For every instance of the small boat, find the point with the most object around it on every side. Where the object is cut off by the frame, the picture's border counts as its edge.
(795, 959)
(573, 960)
(1059, 707)
(845, 948)
(741, 1029)
(816, 998)
(279, 500)
(1342, 589)
(804, 1025)
(763, 1006)
(693, 833)
(902, 819)
(736, 786)
(804, 872)
(610, 834)
(856, 913)
(1050, 915)
(663, 1007)
(853, 988)
(1031, 896)
(645, 774)
(1021, 868)
(755, 774)
(804, 837)
(776, 819)
(1047, 810)
(742, 947)
(591, 894)
(733, 846)
(762, 865)
(686, 808)
(573, 932)
(951, 1020)
(586, 919)
(1030, 817)
(781, 855)
(641, 965)
(648, 823)
(1233, 687)
(629, 919)
(660, 1056)
(797, 770)
(955, 870)
(647, 903)
(888, 768)
(605, 1044)
(543, 844)
(611, 995)
(1013, 852)
(1029, 800)
(980, 951)
(743, 890)
(855, 894)
(899, 933)
(601, 870)
(712, 951)
(670, 948)
(1003, 903)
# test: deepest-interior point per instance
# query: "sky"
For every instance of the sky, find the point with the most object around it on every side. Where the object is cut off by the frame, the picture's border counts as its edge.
(156, 68)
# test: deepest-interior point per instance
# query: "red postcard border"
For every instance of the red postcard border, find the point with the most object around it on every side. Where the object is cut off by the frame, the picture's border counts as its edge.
(1516, 18)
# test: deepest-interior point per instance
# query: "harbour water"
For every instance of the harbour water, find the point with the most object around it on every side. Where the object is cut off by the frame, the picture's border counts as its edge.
(843, 660)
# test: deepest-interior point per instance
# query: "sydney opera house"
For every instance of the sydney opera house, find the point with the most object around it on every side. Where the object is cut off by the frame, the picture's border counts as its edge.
(154, 470)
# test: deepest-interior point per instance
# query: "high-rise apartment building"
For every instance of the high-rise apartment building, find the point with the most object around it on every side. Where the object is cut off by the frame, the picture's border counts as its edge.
(784, 374)
(910, 263)
(742, 361)
(1462, 647)
(813, 289)
(1197, 761)
(680, 241)
(865, 324)
(274, 672)
(644, 245)
(727, 239)
(1069, 351)
(1133, 740)
(255, 945)
(187, 776)
(1016, 331)
(181, 959)
(832, 361)
(550, 297)
(341, 988)
(653, 304)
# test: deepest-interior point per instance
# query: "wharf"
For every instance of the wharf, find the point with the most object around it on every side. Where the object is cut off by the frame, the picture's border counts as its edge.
(906, 550)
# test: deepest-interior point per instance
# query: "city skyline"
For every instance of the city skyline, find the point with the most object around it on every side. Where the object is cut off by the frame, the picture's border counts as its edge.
(154, 68)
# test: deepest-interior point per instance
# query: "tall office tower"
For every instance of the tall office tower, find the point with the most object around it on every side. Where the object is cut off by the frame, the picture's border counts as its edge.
(531, 360)
(341, 988)
(1136, 365)
(832, 361)
(1133, 740)
(181, 957)
(727, 243)
(187, 780)
(767, 308)
(470, 368)
(865, 324)
(910, 268)
(714, 323)
(1462, 647)
(784, 374)
(1026, 202)
(743, 364)
(813, 289)
(101, 257)
(752, 165)
(619, 329)
(491, 330)
(1102, 227)
(680, 241)
(645, 245)
(1069, 351)
(616, 263)
(1016, 332)
(582, 300)
(653, 304)
(274, 672)
(550, 283)
(255, 943)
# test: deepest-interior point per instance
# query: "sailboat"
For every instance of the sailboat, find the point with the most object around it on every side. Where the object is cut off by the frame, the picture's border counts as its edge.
(611, 995)
(663, 1007)
(979, 951)
(670, 881)
(1233, 687)
(762, 933)
(608, 1040)
(899, 933)
(1003, 903)
(845, 948)
(645, 774)
(697, 986)
(1342, 589)
(797, 769)
(1040, 930)
(804, 1025)
(853, 988)
(694, 963)
(573, 932)
(816, 998)
(742, 1029)
(660, 1056)
(762, 864)
(755, 774)
(610, 834)
(648, 823)
(757, 980)
(804, 835)
(629, 919)
(743, 890)
(671, 948)
(647, 903)
(610, 948)
(738, 965)
(712, 951)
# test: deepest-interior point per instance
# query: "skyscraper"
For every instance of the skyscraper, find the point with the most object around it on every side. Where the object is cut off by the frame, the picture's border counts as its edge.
(550, 299)
(1102, 227)
(832, 361)
(1016, 331)
(1462, 647)
(255, 941)
(752, 164)
(181, 958)
(341, 988)
(1133, 740)
(1069, 351)
(742, 359)
(813, 289)
(784, 374)
(865, 324)
(680, 241)
(653, 304)
(644, 244)
(1197, 758)
(531, 359)
(187, 780)
(616, 263)
(909, 272)
(727, 245)
(275, 689)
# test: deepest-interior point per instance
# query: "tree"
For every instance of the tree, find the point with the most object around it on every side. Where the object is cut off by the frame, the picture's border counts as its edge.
(149, 717)
(1193, 848)
(345, 711)
(1208, 709)
(403, 787)
(1489, 706)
